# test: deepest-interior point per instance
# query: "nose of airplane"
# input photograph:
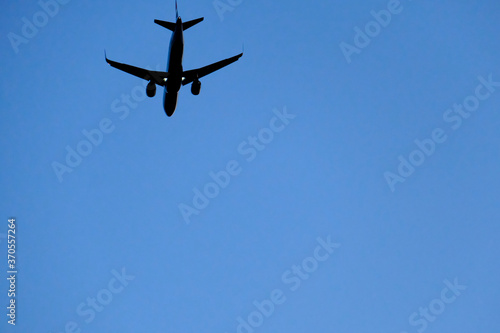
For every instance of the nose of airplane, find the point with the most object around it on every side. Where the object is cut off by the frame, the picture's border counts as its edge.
(169, 103)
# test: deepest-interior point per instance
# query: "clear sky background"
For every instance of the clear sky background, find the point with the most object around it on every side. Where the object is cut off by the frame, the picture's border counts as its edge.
(355, 118)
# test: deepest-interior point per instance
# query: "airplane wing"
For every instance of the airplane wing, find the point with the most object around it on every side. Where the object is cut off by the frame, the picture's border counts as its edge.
(192, 75)
(159, 78)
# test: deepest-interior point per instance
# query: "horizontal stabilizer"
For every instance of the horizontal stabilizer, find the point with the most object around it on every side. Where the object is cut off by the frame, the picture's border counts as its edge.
(165, 24)
(189, 24)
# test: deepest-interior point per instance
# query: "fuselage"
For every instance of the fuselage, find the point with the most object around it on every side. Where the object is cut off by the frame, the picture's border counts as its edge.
(174, 69)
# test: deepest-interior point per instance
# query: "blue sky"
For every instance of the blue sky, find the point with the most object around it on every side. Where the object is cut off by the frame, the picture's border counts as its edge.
(356, 191)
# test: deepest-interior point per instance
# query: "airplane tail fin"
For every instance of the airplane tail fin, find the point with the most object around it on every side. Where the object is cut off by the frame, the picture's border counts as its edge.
(189, 24)
(185, 25)
(171, 26)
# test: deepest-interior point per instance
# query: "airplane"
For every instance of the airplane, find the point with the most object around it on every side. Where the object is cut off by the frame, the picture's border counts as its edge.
(175, 76)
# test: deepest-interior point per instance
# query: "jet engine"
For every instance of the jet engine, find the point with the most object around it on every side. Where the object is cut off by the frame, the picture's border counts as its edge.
(195, 87)
(151, 89)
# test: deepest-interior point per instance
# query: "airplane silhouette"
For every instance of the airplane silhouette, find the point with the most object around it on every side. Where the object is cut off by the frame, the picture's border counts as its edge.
(175, 76)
